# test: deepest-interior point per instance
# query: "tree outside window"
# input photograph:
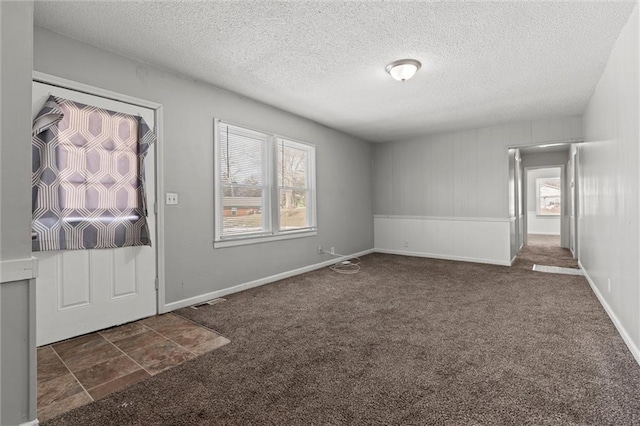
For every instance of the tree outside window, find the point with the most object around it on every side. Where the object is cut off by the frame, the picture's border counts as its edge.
(293, 187)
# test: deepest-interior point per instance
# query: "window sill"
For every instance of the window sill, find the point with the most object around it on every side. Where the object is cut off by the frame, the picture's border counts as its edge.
(264, 239)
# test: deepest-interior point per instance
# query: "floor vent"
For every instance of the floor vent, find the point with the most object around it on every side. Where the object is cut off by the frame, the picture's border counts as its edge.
(209, 303)
(557, 270)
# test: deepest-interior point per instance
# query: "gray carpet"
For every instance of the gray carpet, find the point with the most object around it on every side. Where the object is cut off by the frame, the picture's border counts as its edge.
(544, 250)
(407, 341)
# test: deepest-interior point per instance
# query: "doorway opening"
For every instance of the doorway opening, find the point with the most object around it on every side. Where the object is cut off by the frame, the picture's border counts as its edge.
(544, 206)
(548, 187)
(88, 286)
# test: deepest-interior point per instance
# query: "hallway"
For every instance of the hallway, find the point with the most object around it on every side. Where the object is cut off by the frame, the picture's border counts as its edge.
(544, 250)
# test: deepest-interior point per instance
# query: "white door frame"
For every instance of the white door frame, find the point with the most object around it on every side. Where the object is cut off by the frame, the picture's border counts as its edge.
(575, 193)
(521, 236)
(159, 172)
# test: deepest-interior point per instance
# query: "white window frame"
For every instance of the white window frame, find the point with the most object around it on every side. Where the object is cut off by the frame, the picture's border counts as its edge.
(311, 173)
(271, 213)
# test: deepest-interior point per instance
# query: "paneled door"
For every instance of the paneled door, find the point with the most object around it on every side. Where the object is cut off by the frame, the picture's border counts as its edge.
(81, 291)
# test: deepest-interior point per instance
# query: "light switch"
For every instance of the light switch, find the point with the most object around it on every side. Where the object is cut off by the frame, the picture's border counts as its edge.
(172, 198)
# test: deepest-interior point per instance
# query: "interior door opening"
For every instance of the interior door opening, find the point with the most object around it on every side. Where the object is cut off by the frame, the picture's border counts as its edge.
(81, 291)
(544, 206)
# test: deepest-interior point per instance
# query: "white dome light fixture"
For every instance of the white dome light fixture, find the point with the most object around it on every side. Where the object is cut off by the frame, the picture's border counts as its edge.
(403, 69)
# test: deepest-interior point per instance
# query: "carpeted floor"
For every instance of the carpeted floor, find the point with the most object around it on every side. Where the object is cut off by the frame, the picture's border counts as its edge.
(407, 341)
(544, 250)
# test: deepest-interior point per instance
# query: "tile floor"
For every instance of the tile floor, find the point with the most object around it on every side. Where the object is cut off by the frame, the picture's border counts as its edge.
(80, 370)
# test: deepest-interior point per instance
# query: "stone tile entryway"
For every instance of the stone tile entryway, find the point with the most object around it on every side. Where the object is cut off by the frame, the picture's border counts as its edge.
(86, 368)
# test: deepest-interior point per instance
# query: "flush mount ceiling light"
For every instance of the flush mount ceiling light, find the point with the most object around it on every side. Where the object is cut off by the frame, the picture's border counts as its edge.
(403, 69)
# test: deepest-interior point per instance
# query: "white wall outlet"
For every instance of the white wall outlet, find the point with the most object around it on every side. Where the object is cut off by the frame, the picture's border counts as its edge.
(333, 250)
(609, 285)
(406, 244)
(172, 198)
(320, 250)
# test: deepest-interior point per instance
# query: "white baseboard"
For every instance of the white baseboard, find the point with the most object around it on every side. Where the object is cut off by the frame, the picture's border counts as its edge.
(635, 351)
(31, 423)
(257, 283)
(443, 257)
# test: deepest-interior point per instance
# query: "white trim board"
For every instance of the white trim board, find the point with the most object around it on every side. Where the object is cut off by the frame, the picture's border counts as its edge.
(446, 218)
(160, 210)
(443, 257)
(18, 270)
(257, 283)
(93, 90)
(635, 351)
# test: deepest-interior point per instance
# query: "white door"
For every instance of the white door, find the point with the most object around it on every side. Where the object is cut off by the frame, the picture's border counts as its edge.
(81, 291)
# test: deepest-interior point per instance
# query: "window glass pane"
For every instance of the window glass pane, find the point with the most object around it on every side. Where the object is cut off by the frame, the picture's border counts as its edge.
(241, 156)
(242, 214)
(242, 178)
(292, 165)
(293, 209)
(549, 196)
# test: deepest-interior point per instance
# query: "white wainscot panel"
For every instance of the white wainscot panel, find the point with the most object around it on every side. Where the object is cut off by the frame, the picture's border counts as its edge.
(482, 240)
(543, 225)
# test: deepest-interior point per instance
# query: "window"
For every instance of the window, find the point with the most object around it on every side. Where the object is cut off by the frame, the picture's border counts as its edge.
(294, 188)
(265, 186)
(243, 181)
(549, 193)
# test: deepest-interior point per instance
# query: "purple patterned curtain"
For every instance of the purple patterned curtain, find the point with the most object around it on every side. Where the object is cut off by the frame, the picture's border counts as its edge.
(88, 177)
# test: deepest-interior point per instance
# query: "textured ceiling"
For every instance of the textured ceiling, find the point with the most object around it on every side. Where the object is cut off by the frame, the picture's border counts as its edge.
(483, 63)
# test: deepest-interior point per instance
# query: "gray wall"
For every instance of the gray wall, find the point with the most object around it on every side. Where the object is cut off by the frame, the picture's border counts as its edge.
(424, 182)
(17, 325)
(17, 315)
(15, 228)
(193, 267)
(544, 159)
(459, 174)
(609, 182)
